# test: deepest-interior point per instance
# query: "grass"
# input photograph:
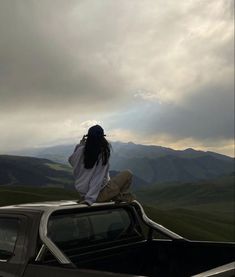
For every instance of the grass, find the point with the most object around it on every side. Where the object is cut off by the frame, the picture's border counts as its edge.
(195, 224)
(61, 167)
(18, 195)
(200, 211)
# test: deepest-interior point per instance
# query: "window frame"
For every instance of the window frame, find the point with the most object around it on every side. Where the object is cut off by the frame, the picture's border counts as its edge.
(49, 247)
(135, 209)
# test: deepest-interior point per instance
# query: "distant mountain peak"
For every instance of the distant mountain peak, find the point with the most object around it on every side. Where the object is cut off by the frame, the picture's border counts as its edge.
(152, 163)
(190, 150)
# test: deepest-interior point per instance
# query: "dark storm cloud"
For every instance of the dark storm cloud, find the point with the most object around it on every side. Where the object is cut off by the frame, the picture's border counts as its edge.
(150, 68)
(206, 113)
(41, 65)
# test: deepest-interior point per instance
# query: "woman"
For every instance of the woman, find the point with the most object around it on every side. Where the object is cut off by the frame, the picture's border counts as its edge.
(90, 162)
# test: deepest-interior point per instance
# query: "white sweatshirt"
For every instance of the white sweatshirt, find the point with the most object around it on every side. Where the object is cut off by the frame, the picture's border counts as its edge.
(88, 182)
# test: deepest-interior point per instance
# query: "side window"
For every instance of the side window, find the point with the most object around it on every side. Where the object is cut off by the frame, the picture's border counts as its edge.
(8, 236)
(72, 230)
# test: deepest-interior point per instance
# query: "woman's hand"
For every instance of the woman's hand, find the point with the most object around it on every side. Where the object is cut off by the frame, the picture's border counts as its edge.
(83, 140)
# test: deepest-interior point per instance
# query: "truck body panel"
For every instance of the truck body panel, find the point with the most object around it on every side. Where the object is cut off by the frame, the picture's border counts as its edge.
(67, 239)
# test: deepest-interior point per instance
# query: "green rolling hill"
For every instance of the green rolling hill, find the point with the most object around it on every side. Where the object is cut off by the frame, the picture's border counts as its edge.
(28, 171)
(195, 224)
(10, 195)
(211, 192)
(203, 211)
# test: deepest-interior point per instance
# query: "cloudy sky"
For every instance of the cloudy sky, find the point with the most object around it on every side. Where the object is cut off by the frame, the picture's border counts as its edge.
(149, 71)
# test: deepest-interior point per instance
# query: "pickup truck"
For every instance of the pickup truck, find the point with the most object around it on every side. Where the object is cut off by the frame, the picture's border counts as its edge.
(67, 239)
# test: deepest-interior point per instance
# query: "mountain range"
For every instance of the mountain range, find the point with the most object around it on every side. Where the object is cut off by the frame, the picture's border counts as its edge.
(37, 172)
(152, 164)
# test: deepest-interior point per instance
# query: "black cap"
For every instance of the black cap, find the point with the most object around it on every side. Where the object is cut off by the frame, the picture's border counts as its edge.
(96, 131)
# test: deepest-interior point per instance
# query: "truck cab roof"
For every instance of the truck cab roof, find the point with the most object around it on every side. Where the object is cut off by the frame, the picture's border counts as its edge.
(52, 205)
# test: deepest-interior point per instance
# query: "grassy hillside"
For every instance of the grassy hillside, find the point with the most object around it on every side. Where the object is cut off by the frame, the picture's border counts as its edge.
(195, 224)
(211, 192)
(10, 195)
(203, 211)
(28, 171)
(175, 169)
(37, 172)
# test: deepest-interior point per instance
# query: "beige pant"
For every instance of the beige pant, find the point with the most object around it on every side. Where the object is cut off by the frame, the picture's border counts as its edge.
(117, 185)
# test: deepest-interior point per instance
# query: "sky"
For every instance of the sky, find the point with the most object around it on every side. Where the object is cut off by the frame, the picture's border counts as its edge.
(157, 72)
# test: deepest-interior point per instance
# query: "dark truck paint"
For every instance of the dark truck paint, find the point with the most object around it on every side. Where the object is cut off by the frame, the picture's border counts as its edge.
(66, 239)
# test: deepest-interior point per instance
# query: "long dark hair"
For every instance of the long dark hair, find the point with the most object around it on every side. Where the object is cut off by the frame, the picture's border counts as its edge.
(96, 146)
